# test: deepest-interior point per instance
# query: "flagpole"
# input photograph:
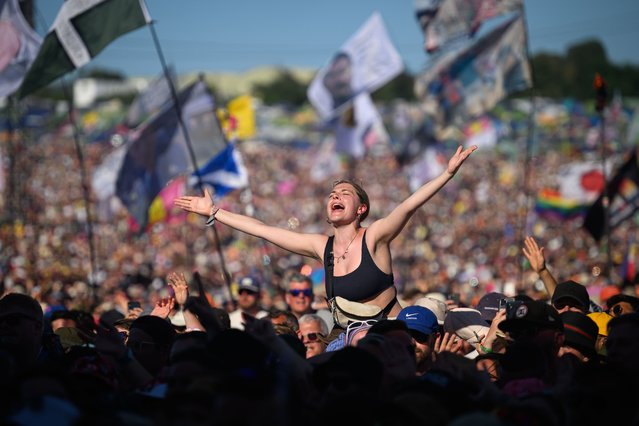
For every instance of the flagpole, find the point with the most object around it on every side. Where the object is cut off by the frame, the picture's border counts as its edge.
(187, 138)
(529, 145)
(600, 106)
(85, 187)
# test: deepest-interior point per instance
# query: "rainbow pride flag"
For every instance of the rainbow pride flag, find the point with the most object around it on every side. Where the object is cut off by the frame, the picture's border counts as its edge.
(551, 205)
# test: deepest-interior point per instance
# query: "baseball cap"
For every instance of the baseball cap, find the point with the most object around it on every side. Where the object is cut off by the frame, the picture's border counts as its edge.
(581, 332)
(529, 314)
(467, 323)
(250, 284)
(574, 291)
(419, 319)
(436, 306)
(488, 305)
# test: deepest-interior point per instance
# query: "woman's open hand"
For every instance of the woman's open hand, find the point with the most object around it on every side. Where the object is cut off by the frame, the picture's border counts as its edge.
(200, 205)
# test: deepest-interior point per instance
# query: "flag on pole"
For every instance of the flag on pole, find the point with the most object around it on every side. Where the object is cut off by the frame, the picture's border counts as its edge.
(623, 196)
(355, 125)
(364, 63)
(152, 99)
(82, 29)
(223, 173)
(458, 18)
(468, 82)
(162, 208)
(241, 108)
(19, 46)
(425, 12)
(158, 152)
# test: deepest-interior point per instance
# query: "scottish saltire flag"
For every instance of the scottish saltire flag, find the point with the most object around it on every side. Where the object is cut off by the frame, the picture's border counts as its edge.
(19, 45)
(466, 83)
(364, 63)
(158, 152)
(156, 95)
(223, 173)
(82, 29)
(461, 18)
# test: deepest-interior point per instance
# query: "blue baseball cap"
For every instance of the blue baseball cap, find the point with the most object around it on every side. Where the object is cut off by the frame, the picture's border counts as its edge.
(419, 319)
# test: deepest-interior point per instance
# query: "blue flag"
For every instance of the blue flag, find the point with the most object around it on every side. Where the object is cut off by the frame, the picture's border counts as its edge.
(224, 172)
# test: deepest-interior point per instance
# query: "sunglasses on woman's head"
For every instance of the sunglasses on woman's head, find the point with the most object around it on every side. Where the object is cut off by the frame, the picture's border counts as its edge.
(306, 292)
(358, 324)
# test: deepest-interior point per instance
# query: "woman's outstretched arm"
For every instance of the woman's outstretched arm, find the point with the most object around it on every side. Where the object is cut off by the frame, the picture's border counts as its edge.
(310, 245)
(386, 229)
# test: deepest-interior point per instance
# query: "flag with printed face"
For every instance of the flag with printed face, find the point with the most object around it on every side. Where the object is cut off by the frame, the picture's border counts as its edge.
(425, 12)
(223, 173)
(364, 63)
(468, 82)
(19, 45)
(82, 29)
(623, 196)
(158, 152)
(459, 18)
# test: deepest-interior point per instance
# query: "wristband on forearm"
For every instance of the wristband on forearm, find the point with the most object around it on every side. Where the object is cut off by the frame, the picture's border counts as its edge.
(211, 220)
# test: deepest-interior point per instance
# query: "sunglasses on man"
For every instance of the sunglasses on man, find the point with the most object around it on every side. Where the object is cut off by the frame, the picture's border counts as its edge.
(306, 293)
(312, 337)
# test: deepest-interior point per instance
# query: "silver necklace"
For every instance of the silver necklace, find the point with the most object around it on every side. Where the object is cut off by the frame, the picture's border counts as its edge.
(343, 256)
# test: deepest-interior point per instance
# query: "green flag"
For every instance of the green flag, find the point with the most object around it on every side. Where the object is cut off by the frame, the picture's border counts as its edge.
(80, 31)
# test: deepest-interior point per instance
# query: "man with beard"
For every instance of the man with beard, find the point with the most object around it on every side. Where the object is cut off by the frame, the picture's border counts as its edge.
(423, 328)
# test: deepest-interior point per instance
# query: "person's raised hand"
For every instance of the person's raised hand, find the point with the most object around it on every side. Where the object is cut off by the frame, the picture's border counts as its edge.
(447, 342)
(534, 254)
(163, 307)
(458, 158)
(201, 205)
(180, 287)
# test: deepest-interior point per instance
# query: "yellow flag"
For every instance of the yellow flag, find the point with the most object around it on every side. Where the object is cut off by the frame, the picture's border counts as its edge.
(241, 108)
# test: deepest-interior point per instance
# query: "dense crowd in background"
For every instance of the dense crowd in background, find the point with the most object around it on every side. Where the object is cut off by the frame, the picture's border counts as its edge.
(467, 240)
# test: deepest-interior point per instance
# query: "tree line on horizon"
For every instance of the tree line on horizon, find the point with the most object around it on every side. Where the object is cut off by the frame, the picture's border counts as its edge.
(555, 76)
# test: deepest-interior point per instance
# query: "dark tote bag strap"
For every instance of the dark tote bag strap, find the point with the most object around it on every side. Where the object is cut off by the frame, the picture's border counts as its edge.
(328, 268)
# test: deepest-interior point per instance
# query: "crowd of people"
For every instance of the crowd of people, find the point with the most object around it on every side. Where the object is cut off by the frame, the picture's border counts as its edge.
(505, 360)
(128, 343)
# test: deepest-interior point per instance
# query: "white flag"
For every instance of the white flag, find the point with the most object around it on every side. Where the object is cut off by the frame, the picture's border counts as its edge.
(367, 61)
(19, 45)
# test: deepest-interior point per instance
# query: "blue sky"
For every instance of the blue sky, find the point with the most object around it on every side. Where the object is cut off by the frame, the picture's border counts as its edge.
(210, 35)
